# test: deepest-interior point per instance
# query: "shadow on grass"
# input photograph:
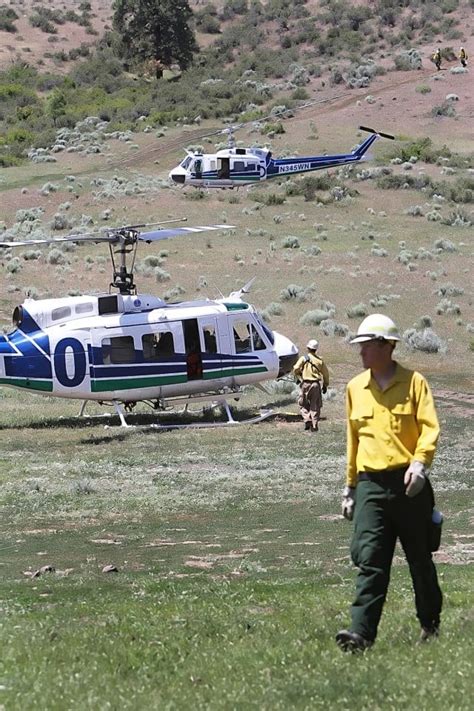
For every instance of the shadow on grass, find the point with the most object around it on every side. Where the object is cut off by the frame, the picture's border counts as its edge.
(156, 422)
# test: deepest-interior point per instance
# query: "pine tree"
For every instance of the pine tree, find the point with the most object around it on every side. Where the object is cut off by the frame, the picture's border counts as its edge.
(155, 30)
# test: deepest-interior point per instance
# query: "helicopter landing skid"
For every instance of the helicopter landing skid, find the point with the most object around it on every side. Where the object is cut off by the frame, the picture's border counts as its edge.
(218, 402)
(264, 414)
(118, 409)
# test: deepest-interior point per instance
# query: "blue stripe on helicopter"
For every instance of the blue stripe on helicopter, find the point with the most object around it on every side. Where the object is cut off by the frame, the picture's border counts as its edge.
(219, 365)
(32, 351)
(213, 175)
(6, 348)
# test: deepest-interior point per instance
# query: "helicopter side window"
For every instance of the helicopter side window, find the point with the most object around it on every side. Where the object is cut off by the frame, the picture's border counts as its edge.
(238, 165)
(242, 337)
(210, 340)
(258, 342)
(158, 345)
(60, 313)
(117, 350)
(85, 308)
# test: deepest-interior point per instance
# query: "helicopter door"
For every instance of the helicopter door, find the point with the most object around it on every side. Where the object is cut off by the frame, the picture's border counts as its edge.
(223, 168)
(192, 348)
(198, 168)
(211, 348)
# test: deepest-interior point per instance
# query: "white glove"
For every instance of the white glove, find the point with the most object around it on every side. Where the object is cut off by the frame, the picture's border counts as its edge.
(348, 502)
(415, 478)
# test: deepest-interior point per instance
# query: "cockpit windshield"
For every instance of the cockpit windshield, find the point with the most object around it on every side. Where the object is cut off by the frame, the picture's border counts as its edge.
(186, 162)
(268, 332)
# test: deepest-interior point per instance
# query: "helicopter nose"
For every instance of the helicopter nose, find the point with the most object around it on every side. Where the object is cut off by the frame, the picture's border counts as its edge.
(178, 178)
(286, 364)
(287, 354)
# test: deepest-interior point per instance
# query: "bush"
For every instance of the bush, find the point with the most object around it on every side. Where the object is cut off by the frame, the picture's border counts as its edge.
(357, 311)
(269, 199)
(55, 256)
(446, 306)
(7, 17)
(425, 340)
(274, 128)
(408, 59)
(290, 242)
(444, 109)
(315, 317)
(449, 290)
(274, 308)
(161, 275)
(331, 328)
(445, 245)
(293, 291)
(13, 266)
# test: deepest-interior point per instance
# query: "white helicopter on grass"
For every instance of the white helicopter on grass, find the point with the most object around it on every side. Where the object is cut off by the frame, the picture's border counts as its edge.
(123, 348)
(234, 167)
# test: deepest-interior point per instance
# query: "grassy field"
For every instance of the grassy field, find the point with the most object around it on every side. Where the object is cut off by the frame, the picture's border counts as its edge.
(233, 573)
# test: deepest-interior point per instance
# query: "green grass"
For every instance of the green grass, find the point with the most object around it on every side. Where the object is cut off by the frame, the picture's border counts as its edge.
(233, 569)
(142, 641)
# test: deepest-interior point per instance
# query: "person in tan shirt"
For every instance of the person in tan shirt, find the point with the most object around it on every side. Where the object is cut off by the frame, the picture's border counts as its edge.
(392, 432)
(312, 373)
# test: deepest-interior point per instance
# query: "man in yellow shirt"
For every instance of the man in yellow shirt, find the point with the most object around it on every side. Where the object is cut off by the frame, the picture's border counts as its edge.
(392, 432)
(311, 371)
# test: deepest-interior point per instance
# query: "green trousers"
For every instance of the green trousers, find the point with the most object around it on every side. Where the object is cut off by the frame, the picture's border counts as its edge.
(383, 513)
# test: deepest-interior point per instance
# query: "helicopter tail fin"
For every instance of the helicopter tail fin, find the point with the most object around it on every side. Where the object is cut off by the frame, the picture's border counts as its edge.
(361, 150)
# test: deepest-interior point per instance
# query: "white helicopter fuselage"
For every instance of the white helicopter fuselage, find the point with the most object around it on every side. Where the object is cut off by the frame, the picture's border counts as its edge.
(128, 348)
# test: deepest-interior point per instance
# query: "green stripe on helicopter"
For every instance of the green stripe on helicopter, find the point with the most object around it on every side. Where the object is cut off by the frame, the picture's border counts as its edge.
(113, 384)
(28, 384)
(225, 373)
(106, 385)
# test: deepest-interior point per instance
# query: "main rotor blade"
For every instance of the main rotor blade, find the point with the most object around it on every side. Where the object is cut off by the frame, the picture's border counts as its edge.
(58, 240)
(114, 235)
(174, 231)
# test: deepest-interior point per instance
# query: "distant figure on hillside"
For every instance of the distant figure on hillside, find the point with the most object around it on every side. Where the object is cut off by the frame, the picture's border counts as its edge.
(437, 58)
(312, 373)
(463, 57)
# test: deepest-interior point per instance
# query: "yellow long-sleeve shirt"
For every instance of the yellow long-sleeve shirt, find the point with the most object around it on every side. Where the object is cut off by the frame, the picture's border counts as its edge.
(311, 367)
(388, 429)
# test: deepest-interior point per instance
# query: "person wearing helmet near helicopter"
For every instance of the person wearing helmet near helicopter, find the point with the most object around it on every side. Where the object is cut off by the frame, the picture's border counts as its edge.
(392, 432)
(463, 57)
(312, 373)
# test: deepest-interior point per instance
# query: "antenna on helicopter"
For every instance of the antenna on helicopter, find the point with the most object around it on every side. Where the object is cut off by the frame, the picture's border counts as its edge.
(243, 290)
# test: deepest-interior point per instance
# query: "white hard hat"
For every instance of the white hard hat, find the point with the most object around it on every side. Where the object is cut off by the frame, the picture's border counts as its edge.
(312, 344)
(374, 327)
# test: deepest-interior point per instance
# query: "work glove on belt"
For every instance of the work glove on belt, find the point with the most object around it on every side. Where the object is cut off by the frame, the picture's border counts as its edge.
(415, 478)
(348, 502)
